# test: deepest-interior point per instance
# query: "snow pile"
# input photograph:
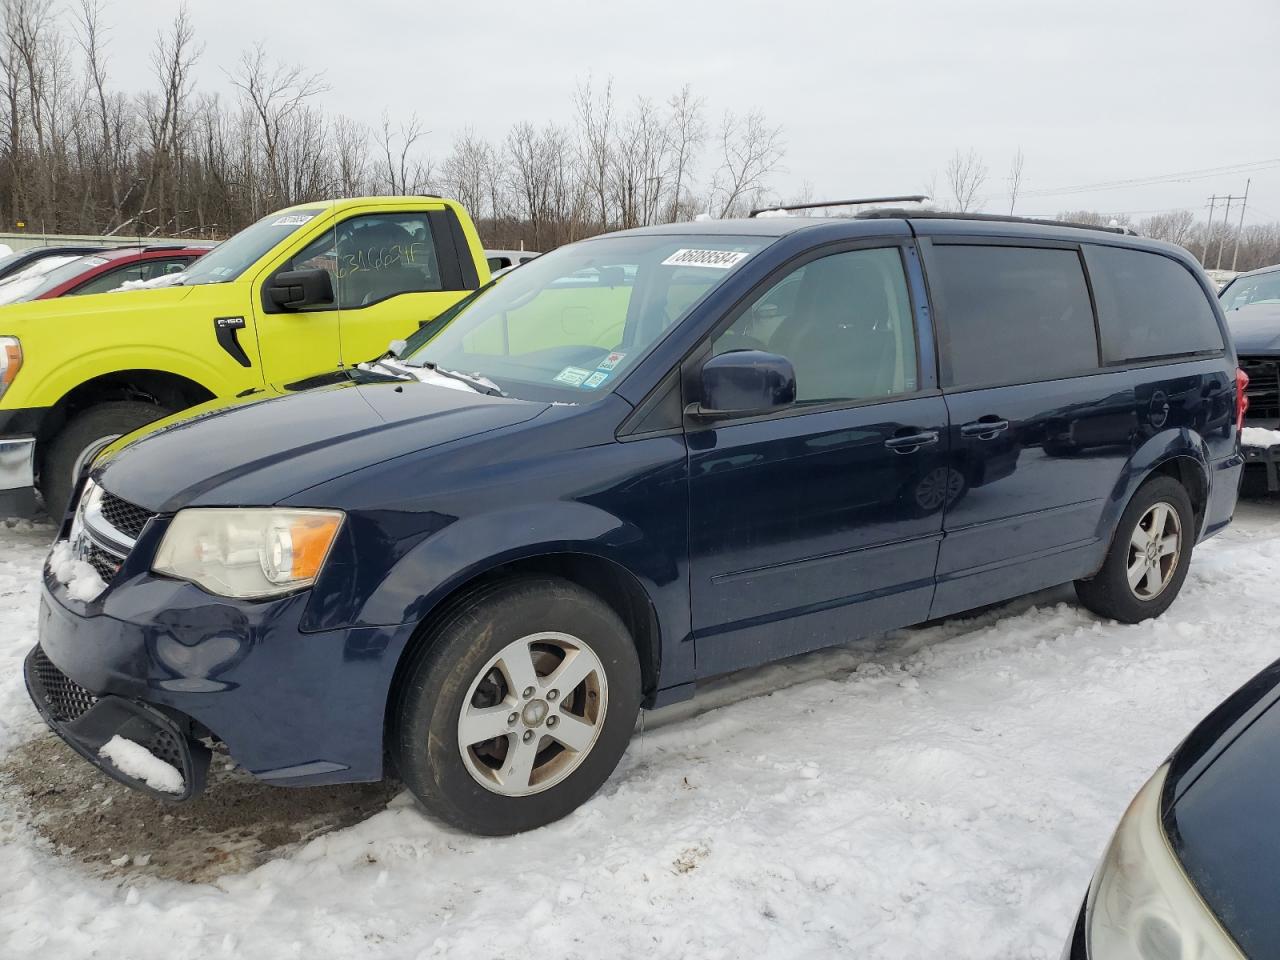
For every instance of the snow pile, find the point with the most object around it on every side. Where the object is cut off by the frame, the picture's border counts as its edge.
(78, 576)
(165, 280)
(940, 792)
(135, 760)
(1259, 437)
(772, 213)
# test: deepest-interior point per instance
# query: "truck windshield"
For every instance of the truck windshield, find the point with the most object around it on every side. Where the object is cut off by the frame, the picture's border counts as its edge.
(234, 256)
(567, 325)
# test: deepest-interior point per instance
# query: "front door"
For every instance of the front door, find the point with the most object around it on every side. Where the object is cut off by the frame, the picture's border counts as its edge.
(820, 523)
(391, 269)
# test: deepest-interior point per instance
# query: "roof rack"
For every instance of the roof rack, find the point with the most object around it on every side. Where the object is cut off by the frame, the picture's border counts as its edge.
(914, 198)
(900, 213)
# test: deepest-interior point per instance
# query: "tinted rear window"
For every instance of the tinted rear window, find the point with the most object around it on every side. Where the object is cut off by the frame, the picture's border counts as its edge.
(1149, 306)
(1011, 314)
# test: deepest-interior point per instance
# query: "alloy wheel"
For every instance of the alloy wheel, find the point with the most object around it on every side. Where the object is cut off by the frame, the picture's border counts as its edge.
(532, 715)
(1154, 550)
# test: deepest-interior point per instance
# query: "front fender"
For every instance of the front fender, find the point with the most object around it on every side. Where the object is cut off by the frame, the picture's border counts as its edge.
(447, 552)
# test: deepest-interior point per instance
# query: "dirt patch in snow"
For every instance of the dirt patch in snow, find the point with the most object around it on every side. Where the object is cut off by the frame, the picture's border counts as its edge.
(236, 825)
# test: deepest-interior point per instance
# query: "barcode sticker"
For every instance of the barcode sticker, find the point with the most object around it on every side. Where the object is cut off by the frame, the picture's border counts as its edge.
(717, 259)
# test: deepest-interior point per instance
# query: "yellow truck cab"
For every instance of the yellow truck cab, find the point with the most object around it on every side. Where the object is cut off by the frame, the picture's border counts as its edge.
(304, 291)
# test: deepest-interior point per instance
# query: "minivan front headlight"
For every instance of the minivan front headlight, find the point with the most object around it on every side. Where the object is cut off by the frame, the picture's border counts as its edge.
(1141, 904)
(247, 553)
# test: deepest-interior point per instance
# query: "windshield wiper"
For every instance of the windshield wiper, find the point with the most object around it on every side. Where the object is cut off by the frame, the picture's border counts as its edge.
(477, 383)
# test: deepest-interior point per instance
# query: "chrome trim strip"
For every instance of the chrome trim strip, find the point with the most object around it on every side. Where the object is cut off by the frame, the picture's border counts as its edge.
(107, 536)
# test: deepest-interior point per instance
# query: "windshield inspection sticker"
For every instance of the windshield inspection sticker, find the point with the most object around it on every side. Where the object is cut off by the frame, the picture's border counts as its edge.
(611, 361)
(292, 220)
(593, 381)
(718, 259)
(573, 376)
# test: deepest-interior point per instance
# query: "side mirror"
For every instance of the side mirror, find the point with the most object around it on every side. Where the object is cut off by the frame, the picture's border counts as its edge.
(746, 382)
(295, 289)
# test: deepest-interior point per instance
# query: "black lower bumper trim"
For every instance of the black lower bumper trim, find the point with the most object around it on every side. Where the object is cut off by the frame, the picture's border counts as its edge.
(1268, 458)
(86, 721)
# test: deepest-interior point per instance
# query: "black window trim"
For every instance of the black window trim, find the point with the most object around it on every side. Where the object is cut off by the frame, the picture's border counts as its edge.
(941, 333)
(691, 364)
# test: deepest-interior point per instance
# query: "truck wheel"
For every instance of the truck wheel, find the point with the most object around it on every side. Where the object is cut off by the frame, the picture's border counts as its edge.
(517, 707)
(81, 439)
(1149, 555)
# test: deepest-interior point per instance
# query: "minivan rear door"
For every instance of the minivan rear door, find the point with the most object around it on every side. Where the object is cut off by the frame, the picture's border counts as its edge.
(1040, 434)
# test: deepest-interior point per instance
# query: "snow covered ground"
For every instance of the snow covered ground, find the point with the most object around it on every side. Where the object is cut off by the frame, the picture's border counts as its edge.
(944, 792)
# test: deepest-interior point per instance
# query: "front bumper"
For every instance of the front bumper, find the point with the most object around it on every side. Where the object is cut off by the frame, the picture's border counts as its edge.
(292, 707)
(86, 722)
(17, 476)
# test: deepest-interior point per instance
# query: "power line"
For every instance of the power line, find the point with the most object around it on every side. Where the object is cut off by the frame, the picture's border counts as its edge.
(1185, 175)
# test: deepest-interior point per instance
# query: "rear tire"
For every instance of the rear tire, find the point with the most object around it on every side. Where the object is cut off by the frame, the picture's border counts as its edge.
(490, 667)
(1149, 556)
(87, 433)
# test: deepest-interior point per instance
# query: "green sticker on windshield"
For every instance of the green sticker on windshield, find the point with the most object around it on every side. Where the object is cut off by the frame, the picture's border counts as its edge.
(593, 381)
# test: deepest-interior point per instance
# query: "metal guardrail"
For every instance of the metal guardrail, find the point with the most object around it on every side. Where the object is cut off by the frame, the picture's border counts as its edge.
(26, 240)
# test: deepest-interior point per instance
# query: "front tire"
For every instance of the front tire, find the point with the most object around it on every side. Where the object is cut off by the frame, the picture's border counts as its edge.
(83, 437)
(1149, 555)
(517, 707)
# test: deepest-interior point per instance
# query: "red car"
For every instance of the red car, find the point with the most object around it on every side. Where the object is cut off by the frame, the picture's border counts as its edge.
(100, 272)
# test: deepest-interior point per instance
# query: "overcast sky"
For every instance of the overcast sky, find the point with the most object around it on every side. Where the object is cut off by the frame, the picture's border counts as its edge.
(873, 96)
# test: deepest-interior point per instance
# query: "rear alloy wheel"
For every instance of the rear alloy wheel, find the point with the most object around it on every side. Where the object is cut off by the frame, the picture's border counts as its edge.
(1149, 555)
(516, 707)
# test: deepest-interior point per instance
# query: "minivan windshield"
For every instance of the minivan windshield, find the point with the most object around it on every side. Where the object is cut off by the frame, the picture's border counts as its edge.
(238, 253)
(567, 325)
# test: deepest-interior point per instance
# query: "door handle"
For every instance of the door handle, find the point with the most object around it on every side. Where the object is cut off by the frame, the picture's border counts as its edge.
(984, 429)
(912, 441)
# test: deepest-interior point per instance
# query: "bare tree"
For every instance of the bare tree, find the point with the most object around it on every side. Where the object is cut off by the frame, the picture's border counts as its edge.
(1015, 179)
(1175, 227)
(596, 133)
(688, 132)
(276, 93)
(750, 151)
(966, 174)
(401, 173)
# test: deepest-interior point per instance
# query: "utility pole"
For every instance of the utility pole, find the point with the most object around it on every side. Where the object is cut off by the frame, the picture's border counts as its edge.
(1226, 223)
(1235, 253)
(1208, 231)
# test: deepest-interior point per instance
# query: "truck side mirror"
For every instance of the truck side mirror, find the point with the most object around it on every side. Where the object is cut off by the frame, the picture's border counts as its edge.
(295, 289)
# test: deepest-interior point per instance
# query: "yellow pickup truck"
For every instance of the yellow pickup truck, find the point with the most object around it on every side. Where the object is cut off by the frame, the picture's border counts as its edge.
(304, 291)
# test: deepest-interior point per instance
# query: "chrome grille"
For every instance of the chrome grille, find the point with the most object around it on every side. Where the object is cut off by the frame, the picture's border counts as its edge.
(65, 699)
(1264, 387)
(128, 518)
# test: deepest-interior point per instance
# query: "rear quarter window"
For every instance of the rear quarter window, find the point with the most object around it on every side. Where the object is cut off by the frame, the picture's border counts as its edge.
(1011, 314)
(1149, 306)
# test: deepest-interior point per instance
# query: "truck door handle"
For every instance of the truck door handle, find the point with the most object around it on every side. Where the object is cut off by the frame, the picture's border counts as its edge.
(912, 441)
(984, 429)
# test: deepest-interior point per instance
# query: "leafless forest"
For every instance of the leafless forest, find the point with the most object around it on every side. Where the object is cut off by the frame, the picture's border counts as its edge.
(82, 156)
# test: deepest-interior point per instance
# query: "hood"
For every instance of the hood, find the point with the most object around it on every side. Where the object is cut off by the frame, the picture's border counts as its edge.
(1256, 328)
(260, 450)
(1219, 812)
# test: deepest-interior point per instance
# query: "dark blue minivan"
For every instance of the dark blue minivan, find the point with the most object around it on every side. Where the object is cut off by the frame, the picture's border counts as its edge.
(637, 462)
